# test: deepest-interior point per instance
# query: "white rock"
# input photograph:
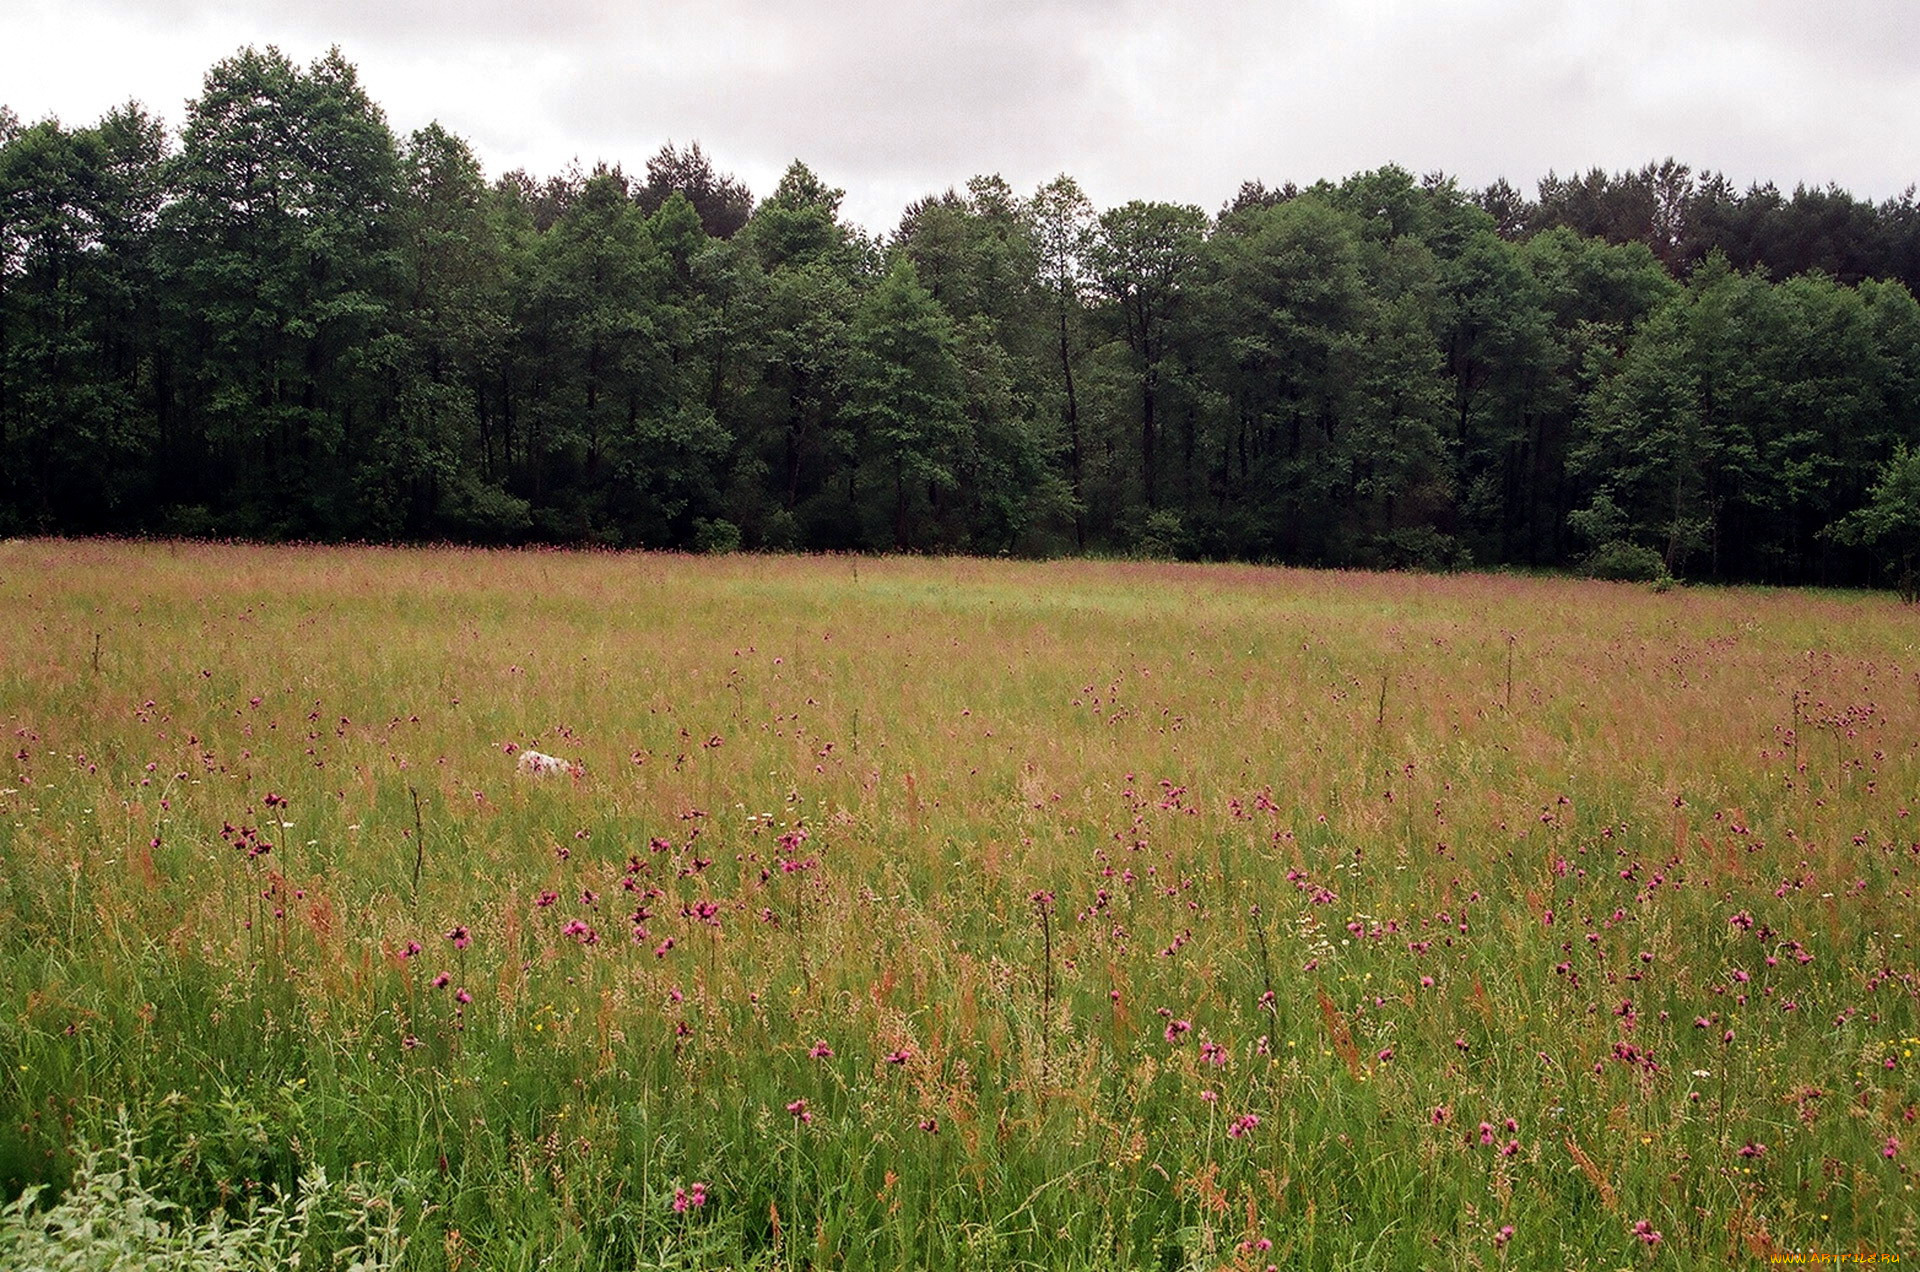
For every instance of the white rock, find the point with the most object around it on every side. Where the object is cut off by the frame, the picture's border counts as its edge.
(539, 764)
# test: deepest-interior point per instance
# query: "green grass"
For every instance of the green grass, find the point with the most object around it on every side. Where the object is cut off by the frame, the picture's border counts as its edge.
(837, 790)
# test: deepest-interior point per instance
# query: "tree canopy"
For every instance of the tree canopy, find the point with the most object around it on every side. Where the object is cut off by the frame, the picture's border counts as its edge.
(282, 320)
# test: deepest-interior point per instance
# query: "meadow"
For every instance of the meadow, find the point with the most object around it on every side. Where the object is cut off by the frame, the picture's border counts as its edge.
(949, 914)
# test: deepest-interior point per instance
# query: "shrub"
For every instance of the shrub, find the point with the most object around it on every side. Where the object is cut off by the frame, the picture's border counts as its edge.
(717, 536)
(1162, 536)
(1421, 548)
(1624, 562)
(111, 1219)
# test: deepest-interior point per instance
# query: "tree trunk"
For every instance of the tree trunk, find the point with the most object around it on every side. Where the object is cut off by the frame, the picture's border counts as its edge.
(1149, 434)
(1073, 440)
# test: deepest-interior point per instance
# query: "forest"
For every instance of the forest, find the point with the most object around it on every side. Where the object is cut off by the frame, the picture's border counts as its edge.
(280, 321)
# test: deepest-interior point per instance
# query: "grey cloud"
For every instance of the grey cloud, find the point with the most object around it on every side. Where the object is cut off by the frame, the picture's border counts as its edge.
(894, 94)
(1138, 99)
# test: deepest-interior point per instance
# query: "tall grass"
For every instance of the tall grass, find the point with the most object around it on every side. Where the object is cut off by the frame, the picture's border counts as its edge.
(1394, 921)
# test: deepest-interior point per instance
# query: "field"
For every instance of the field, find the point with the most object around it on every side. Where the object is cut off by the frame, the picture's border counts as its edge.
(952, 914)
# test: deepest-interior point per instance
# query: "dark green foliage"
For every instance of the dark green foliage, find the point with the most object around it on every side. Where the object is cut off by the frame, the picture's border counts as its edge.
(283, 243)
(1624, 562)
(285, 321)
(721, 203)
(1889, 524)
(77, 322)
(904, 407)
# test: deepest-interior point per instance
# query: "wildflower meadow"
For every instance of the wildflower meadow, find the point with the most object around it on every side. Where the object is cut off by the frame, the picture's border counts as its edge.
(919, 913)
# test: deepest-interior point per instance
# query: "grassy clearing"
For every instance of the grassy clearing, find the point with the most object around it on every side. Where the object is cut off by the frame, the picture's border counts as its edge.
(960, 914)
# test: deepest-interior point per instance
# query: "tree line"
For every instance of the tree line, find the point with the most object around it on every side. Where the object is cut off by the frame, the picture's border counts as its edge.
(284, 322)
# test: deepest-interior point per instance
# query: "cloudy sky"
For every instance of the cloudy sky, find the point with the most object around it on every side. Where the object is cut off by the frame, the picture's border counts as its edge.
(1159, 99)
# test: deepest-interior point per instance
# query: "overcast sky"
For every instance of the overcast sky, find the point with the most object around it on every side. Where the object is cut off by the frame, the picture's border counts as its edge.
(1155, 99)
